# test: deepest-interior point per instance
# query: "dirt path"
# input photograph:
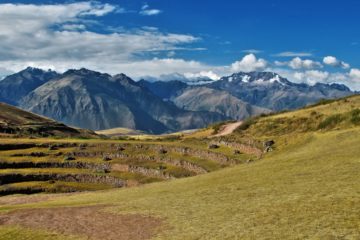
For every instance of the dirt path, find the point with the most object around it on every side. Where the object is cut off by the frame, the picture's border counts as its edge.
(228, 129)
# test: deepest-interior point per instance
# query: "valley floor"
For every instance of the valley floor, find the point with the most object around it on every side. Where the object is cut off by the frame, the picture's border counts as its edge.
(308, 188)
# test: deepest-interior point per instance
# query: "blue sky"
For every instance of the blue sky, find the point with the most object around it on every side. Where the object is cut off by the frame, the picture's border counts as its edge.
(306, 41)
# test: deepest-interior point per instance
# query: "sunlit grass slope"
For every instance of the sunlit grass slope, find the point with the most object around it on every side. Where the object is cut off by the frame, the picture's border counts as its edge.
(307, 188)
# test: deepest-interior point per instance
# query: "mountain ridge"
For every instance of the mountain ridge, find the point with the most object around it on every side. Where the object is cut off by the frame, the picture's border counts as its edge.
(99, 101)
(95, 100)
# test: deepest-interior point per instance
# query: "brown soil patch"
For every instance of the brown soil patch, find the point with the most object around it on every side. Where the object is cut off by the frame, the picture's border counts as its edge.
(25, 199)
(228, 129)
(15, 200)
(90, 222)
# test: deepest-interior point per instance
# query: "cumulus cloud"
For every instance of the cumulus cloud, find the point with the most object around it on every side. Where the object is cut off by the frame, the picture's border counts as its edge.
(146, 11)
(156, 67)
(298, 63)
(355, 74)
(333, 61)
(354, 78)
(249, 63)
(58, 34)
(203, 74)
(312, 76)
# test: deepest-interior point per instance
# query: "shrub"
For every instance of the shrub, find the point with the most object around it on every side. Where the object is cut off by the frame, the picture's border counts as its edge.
(313, 113)
(331, 121)
(69, 158)
(246, 124)
(355, 116)
(321, 102)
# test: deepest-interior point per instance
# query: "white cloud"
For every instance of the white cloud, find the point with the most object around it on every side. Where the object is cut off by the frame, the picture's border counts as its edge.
(146, 11)
(293, 54)
(354, 78)
(157, 67)
(311, 76)
(281, 64)
(203, 74)
(4, 72)
(298, 63)
(355, 74)
(58, 34)
(329, 60)
(249, 63)
(333, 61)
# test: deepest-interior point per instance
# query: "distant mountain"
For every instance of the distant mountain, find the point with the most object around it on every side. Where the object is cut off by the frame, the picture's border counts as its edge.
(16, 86)
(176, 77)
(16, 121)
(164, 90)
(201, 98)
(99, 101)
(271, 91)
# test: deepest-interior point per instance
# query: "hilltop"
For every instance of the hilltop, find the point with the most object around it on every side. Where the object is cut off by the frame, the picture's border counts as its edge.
(15, 121)
(306, 188)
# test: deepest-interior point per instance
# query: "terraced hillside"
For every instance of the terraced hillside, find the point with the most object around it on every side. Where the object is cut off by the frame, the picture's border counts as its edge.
(58, 166)
(306, 187)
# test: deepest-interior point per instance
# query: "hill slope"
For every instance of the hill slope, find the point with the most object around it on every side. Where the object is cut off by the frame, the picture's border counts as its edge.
(17, 121)
(307, 188)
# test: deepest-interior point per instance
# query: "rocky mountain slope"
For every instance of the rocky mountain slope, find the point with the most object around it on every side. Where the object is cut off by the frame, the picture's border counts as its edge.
(245, 94)
(165, 90)
(269, 90)
(99, 101)
(203, 98)
(15, 86)
(88, 99)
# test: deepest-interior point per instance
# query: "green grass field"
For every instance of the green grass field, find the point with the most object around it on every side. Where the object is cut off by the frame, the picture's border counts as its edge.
(307, 188)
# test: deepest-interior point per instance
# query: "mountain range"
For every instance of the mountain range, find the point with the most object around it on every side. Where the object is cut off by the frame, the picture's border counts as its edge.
(93, 100)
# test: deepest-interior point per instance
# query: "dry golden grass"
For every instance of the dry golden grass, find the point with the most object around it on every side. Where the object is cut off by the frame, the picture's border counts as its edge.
(118, 132)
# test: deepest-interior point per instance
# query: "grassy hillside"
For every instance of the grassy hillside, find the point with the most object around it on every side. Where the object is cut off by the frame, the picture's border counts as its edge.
(119, 132)
(307, 188)
(14, 121)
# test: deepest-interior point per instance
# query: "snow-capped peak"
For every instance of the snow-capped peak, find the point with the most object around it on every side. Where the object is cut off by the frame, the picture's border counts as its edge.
(246, 78)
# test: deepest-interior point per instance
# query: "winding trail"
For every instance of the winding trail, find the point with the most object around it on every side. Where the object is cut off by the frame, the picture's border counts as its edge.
(228, 129)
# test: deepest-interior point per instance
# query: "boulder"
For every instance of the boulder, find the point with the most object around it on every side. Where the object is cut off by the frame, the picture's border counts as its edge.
(213, 146)
(106, 158)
